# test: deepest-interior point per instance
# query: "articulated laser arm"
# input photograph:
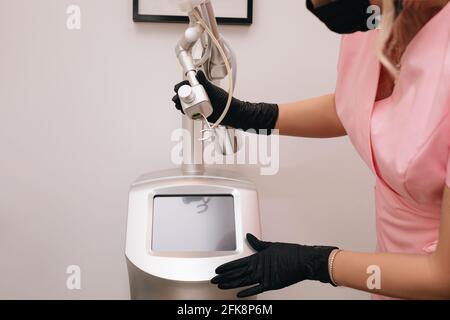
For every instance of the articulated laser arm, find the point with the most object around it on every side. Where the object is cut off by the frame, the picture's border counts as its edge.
(217, 59)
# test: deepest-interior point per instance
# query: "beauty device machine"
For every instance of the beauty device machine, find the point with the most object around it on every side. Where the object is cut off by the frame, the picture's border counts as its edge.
(184, 223)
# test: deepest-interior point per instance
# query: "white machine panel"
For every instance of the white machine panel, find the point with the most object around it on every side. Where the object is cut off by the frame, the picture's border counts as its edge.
(170, 236)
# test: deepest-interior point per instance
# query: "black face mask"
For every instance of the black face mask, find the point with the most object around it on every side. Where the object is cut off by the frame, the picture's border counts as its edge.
(343, 16)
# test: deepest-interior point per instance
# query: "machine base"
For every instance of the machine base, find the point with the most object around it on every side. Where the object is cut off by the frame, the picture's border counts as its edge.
(144, 286)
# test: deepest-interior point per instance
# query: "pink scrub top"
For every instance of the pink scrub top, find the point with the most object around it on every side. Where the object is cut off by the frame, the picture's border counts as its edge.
(404, 139)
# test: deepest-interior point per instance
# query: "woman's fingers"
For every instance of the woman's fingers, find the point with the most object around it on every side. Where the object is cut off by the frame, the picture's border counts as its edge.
(251, 291)
(257, 244)
(179, 85)
(236, 264)
(231, 275)
(237, 283)
(176, 100)
(242, 276)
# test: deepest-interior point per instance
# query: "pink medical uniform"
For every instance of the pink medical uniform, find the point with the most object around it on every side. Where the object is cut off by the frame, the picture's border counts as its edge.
(404, 139)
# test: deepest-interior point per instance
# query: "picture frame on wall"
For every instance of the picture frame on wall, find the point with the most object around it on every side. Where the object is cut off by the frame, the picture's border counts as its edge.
(231, 12)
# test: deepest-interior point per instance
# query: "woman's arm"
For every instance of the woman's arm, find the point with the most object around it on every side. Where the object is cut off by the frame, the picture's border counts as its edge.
(402, 276)
(312, 118)
(315, 117)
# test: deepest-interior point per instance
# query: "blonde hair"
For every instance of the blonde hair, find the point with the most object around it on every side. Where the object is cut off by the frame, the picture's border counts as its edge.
(397, 32)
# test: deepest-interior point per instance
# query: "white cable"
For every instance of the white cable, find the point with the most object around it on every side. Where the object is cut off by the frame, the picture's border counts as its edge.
(227, 65)
(208, 51)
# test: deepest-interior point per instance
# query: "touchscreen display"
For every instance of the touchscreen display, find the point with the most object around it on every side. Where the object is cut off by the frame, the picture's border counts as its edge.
(194, 223)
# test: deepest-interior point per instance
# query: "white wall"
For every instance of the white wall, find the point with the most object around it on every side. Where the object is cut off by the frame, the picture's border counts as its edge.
(83, 113)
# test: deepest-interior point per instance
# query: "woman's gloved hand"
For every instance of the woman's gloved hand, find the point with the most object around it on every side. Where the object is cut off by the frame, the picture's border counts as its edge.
(274, 266)
(241, 115)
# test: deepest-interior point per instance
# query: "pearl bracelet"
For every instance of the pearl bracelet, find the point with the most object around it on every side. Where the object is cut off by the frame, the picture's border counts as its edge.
(331, 266)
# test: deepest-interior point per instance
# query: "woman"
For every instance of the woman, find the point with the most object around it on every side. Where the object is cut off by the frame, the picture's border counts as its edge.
(392, 99)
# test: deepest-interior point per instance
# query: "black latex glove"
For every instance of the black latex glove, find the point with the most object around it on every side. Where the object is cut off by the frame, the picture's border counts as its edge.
(241, 115)
(274, 266)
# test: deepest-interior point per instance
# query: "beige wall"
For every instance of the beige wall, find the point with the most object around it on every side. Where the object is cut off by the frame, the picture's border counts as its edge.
(83, 113)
